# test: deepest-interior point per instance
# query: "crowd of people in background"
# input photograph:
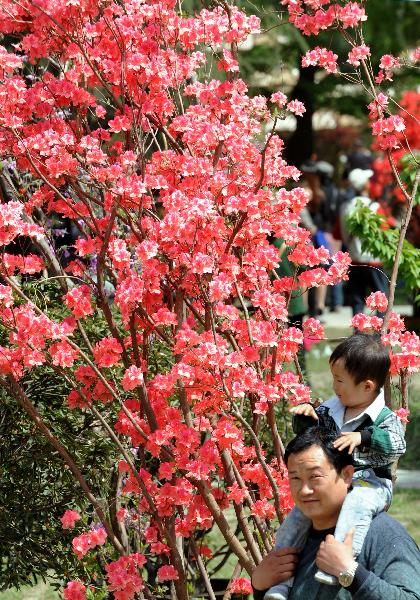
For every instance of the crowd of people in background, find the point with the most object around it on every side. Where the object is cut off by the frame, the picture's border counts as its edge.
(332, 198)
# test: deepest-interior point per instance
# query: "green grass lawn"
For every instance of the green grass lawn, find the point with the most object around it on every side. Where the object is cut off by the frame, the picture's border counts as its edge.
(406, 509)
(42, 591)
(406, 503)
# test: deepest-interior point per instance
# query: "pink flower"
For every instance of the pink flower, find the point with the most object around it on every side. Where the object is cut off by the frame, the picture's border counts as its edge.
(408, 358)
(236, 494)
(133, 377)
(322, 57)
(122, 514)
(6, 296)
(100, 111)
(63, 354)
(220, 287)
(119, 123)
(389, 62)
(85, 246)
(312, 328)
(86, 541)
(124, 579)
(107, 352)
(279, 98)
(297, 107)
(262, 508)
(241, 586)
(78, 301)
(377, 106)
(299, 393)
(164, 317)
(388, 125)
(167, 573)
(366, 322)
(351, 14)
(119, 254)
(357, 54)
(159, 548)
(386, 128)
(377, 301)
(402, 414)
(228, 62)
(69, 519)
(75, 590)
(202, 263)
(147, 250)
(309, 256)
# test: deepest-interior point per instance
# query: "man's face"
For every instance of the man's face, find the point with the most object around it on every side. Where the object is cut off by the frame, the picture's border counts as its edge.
(316, 487)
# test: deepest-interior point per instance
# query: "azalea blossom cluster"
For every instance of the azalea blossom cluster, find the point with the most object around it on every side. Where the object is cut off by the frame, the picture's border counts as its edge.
(383, 184)
(313, 16)
(404, 345)
(174, 188)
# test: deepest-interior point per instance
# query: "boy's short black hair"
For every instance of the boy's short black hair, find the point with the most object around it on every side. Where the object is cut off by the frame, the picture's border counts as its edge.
(365, 357)
(324, 438)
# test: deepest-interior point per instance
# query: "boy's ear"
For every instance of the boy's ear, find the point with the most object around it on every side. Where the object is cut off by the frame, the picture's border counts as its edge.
(369, 385)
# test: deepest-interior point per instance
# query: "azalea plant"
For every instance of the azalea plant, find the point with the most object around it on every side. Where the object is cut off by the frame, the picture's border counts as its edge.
(172, 182)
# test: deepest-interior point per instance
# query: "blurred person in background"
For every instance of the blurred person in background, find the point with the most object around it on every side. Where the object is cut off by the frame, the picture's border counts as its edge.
(296, 302)
(314, 219)
(360, 157)
(330, 208)
(365, 273)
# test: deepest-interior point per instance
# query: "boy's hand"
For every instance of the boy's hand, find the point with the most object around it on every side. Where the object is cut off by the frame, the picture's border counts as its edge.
(348, 439)
(304, 409)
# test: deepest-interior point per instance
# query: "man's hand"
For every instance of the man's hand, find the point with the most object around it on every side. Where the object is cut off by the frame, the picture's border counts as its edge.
(348, 439)
(304, 409)
(276, 567)
(333, 556)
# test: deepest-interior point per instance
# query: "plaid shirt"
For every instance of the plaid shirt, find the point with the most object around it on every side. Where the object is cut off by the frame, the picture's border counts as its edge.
(382, 439)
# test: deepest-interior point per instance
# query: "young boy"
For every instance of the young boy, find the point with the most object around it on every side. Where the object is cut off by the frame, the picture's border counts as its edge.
(363, 423)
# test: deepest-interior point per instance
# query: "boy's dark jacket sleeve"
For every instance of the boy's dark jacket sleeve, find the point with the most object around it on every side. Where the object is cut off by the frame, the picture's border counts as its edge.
(301, 422)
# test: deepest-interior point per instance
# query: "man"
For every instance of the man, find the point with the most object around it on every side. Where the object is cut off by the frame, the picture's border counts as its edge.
(388, 567)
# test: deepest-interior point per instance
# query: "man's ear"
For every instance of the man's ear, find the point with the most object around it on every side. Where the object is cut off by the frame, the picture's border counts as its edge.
(347, 473)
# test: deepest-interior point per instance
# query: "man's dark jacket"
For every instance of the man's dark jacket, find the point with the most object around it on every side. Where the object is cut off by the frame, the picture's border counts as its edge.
(389, 567)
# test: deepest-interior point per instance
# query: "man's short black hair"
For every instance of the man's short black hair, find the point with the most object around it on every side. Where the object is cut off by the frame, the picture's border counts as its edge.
(323, 438)
(365, 357)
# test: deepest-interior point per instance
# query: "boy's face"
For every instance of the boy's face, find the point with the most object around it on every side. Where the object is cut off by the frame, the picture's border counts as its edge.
(351, 395)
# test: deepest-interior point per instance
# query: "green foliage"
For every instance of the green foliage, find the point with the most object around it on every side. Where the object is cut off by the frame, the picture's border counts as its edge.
(410, 165)
(35, 485)
(382, 243)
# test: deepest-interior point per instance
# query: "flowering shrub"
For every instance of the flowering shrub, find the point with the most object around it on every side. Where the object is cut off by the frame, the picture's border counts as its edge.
(174, 187)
